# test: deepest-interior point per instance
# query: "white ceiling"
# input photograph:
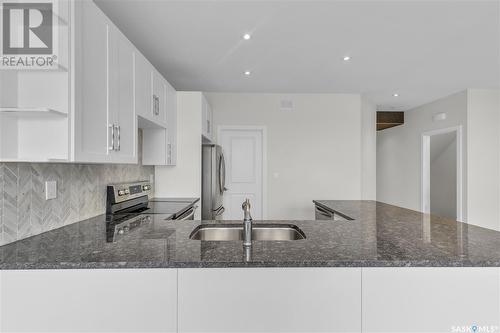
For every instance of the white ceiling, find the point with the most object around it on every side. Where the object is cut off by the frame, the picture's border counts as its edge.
(423, 50)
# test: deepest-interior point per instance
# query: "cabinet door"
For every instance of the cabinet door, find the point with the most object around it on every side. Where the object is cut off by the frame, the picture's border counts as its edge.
(159, 98)
(431, 299)
(143, 87)
(92, 130)
(131, 300)
(210, 133)
(204, 116)
(270, 300)
(171, 125)
(206, 111)
(121, 96)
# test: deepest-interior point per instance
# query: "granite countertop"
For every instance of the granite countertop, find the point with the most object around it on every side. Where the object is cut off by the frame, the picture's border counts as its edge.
(380, 235)
(192, 201)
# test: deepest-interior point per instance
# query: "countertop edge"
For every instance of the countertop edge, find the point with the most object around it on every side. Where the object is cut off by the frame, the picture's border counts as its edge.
(177, 265)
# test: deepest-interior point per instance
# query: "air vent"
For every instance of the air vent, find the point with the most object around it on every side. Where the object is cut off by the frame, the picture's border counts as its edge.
(286, 105)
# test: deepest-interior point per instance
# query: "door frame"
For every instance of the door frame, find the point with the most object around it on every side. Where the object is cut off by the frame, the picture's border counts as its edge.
(263, 130)
(426, 169)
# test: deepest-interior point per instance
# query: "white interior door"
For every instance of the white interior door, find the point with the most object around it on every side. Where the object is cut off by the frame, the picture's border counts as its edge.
(244, 154)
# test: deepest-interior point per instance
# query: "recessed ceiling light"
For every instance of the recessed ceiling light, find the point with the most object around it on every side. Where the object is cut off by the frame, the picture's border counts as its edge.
(246, 36)
(347, 58)
(247, 73)
(395, 95)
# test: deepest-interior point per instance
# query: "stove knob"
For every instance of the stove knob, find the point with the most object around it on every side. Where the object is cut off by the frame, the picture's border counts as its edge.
(120, 231)
(125, 229)
(127, 191)
(121, 192)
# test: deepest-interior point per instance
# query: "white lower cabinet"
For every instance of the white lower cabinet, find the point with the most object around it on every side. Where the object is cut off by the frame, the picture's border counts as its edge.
(94, 300)
(270, 300)
(251, 300)
(431, 299)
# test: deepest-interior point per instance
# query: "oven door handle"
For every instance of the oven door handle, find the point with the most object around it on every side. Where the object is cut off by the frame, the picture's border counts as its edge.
(324, 212)
(188, 214)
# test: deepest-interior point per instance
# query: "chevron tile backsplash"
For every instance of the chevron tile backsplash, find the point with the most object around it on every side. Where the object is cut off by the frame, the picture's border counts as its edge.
(81, 194)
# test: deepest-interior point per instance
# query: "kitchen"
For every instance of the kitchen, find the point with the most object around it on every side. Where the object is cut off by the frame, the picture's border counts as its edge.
(126, 164)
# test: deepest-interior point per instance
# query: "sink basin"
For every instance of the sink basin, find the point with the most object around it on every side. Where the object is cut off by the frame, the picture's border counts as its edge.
(260, 232)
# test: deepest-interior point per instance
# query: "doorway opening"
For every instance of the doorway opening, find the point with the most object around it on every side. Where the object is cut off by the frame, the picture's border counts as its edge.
(442, 173)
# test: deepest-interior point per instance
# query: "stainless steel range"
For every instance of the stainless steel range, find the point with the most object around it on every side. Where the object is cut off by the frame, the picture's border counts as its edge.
(128, 207)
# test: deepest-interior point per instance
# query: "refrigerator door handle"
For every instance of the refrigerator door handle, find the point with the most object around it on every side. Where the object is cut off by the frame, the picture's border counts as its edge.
(220, 211)
(222, 174)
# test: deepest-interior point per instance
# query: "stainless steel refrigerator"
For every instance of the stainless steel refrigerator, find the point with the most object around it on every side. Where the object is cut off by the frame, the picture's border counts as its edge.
(213, 182)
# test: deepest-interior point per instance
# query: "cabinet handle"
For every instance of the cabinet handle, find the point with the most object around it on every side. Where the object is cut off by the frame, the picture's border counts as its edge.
(112, 146)
(154, 104)
(118, 130)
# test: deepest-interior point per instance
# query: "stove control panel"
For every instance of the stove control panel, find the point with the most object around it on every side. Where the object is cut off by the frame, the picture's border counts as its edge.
(125, 191)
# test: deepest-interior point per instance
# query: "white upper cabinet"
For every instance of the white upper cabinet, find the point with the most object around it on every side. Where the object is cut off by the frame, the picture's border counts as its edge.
(87, 111)
(105, 122)
(159, 98)
(207, 118)
(171, 111)
(93, 126)
(159, 145)
(121, 96)
(143, 87)
(150, 93)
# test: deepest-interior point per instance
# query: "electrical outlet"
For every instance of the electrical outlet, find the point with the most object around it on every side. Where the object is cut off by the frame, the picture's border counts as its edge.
(50, 190)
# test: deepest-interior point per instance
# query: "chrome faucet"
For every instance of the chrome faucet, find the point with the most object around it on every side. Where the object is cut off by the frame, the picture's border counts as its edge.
(247, 224)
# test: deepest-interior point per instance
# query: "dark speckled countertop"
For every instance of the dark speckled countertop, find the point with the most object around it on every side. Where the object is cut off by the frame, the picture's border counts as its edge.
(380, 235)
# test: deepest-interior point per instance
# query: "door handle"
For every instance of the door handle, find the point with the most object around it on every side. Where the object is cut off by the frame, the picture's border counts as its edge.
(112, 146)
(118, 130)
(154, 104)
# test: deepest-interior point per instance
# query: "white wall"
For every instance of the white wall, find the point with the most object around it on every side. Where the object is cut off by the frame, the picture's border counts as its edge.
(484, 158)
(443, 173)
(314, 151)
(184, 179)
(399, 160)
(368, 150)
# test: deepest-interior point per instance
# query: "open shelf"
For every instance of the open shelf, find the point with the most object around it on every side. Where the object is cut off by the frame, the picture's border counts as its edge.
(31, 111)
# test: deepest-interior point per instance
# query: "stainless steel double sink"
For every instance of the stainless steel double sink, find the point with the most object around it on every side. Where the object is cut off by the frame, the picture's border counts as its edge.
(260, 232)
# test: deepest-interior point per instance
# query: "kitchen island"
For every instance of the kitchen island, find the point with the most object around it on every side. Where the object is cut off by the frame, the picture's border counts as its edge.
(387, 269)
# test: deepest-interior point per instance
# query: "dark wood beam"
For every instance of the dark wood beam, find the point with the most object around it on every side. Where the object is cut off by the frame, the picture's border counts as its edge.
(388, 119)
